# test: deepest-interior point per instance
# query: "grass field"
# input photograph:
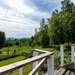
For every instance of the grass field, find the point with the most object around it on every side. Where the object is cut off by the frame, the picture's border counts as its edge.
(26, 69)
(11, 60)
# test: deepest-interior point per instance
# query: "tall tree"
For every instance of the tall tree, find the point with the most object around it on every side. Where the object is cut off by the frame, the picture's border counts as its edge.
(67, 5)
(42, 37)
(2, 39)
(56, 28)
(68, 20)
(61, 26)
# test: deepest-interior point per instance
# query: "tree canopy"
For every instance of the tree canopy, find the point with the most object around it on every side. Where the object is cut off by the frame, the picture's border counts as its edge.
(61, 25)
(60, 28)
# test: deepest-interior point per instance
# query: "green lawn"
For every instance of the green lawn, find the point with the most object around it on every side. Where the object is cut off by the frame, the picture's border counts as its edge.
(11, 60)
(26, 69)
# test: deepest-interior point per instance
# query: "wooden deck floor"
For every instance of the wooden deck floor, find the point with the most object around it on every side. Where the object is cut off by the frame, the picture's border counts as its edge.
(60, 72)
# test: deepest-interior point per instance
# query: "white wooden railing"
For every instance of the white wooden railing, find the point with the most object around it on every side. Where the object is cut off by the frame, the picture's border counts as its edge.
(62, 53)
(43, 56)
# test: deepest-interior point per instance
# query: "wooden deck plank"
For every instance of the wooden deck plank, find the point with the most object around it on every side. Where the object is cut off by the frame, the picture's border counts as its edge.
(60, 72)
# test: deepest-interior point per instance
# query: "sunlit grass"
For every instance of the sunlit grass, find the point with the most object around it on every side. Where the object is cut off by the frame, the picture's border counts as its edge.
(11, 60)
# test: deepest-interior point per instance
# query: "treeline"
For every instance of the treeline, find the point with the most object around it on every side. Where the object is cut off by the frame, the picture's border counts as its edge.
(60, 28)
(12, 42)
(2, 39)
(17, 42)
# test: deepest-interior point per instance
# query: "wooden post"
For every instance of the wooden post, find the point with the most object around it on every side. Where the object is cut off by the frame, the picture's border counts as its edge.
(62, 54)
(20, 71)
(50, 65)
(73, 52)
(36, 62)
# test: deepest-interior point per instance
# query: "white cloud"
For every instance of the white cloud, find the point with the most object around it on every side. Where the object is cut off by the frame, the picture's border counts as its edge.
(13, 29)
(15, 22)
(19, 6)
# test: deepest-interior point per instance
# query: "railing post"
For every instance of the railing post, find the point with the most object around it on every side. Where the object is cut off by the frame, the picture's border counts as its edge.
(73, 52)
(62, 54)
(50, 65)
(36, 62)
(20, 71)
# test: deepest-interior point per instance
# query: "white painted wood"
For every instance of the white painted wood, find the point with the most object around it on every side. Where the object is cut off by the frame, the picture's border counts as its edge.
(62, 54)
(50, 65)
(23, 62)
(73, 52)
(37, 67)
(36, 62)
(41, 51)
(20, 71)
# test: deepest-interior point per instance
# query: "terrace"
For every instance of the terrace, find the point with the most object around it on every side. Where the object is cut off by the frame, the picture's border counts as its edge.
(38, 59)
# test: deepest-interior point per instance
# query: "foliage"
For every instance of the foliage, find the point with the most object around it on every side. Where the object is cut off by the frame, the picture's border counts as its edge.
(58, 29)
(61, 25)
(17, 42)
(41, 37)
(2, 39)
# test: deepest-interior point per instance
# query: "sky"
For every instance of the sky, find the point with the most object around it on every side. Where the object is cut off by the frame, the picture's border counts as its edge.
(19, 18)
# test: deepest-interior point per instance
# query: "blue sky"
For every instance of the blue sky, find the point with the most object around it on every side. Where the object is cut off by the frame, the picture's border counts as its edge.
(19, 18)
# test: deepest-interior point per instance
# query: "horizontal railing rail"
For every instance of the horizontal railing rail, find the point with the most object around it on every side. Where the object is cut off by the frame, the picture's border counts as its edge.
(49, 56)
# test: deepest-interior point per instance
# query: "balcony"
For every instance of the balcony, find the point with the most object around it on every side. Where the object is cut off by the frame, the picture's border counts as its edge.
(38, 59)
